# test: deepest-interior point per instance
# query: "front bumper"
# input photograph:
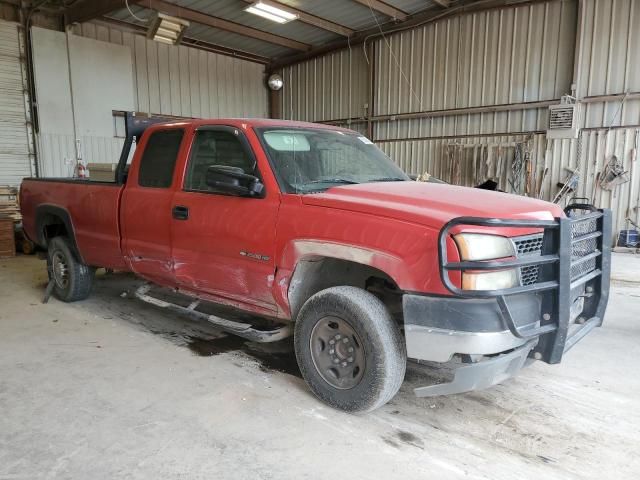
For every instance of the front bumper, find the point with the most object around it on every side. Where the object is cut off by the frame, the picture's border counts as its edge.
(477, 376)
(436, 328)
(542, 320)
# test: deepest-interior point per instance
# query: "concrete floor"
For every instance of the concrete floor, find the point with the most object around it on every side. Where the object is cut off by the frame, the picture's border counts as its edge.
(111, 388)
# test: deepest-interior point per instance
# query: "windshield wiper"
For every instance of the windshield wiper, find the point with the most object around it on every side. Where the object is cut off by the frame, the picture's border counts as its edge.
(387, 179)
(332, 180)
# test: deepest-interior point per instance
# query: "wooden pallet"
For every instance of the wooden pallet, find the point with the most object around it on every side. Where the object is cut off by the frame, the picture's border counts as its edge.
(7, 240)
(9, 203)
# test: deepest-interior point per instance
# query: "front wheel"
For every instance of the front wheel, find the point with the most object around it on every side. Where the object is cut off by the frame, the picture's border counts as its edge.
(349, 350)
(73, 279)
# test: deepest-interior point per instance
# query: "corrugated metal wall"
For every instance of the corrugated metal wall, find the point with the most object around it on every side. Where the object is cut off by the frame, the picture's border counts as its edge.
(187, 82)
(489, 58)
(499, 57)
(597, 148)
(609, 61)
(495, 57)
(327, 88)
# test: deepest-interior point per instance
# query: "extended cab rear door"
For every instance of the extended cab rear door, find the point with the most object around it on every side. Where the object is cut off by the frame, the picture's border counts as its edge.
(223, 245)
(146, 209)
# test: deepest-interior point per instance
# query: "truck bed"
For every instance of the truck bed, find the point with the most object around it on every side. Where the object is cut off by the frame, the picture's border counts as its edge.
(91, 210)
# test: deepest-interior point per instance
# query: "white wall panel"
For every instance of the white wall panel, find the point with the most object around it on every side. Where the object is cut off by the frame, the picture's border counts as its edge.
(128, 73)
(183, 81)
(101, 82)
(78, 86)
(53, 87)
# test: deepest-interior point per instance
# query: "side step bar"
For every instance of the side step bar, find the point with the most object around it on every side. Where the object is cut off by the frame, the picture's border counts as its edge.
(244, 330)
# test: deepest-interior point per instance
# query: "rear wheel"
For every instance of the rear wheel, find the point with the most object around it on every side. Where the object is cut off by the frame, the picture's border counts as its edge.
(349, 349)
(73, 279)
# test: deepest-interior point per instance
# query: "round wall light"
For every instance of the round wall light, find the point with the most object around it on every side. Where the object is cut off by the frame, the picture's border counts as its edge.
(275, 82)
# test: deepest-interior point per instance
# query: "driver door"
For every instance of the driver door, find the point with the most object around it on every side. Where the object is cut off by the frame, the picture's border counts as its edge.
(223, 245)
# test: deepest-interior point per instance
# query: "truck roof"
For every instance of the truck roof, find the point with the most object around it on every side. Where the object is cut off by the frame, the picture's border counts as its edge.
(255, 122)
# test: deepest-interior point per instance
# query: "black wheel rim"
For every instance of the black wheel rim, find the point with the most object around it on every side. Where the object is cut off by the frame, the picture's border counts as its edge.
(337, 353)
(60, 270)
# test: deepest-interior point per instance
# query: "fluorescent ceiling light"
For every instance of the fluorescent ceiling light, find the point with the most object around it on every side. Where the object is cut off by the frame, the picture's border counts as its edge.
(271, 12)
(167, 29)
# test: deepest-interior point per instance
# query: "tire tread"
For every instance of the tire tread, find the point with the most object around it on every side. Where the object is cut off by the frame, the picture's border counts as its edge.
(383, 335)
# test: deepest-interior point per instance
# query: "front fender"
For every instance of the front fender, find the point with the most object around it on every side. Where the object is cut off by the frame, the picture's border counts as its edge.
(298, 251)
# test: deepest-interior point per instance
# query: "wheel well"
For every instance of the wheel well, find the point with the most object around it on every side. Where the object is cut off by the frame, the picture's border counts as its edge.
(314, 275)
(52, 225)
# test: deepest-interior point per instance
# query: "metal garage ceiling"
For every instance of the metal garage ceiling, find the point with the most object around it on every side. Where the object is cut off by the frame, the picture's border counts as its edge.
(321, 26)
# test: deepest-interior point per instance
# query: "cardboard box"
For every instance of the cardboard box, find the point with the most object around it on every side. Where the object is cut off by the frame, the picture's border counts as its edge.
(102, 172)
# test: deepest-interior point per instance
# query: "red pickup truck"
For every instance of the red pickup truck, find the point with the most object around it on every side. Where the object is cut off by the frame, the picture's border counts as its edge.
(313, 229)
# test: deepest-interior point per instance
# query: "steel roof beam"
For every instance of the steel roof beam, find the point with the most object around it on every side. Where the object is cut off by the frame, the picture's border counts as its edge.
(385, 9)
(222, 24)
(417, 19)
(86, 10)
(187, 41)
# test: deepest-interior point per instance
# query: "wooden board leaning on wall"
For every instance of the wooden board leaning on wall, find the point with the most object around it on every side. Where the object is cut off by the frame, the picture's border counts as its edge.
(9, 203)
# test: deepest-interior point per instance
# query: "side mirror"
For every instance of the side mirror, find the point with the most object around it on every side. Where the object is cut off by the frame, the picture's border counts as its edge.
(234, 181)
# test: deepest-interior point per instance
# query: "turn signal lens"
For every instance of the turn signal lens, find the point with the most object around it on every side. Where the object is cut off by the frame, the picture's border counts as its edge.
(497, 280)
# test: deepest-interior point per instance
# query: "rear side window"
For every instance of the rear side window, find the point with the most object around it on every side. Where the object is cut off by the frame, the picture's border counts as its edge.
(159, 159)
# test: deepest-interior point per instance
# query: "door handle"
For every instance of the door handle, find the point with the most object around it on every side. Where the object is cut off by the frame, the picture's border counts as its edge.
(180, 212)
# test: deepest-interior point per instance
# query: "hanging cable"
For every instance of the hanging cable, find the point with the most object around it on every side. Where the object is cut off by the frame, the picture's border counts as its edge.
(613, 119)
(143, 20)
(393, 55)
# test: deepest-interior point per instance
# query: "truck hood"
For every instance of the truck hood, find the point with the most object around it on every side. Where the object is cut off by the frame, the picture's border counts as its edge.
(431, 204)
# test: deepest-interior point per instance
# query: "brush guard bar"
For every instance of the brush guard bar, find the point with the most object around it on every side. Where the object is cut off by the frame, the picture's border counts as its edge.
(566, 250)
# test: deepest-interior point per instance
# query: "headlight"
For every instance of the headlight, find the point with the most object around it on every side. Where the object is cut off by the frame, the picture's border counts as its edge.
(480, 246)
(497, 280)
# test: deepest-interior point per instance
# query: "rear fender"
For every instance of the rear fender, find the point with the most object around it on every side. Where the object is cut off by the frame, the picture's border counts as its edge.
(44, 214)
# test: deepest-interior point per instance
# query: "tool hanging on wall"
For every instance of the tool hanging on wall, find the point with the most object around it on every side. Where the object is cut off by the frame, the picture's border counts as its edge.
(570, 185)
(528, 167)
(613, 174)
(543, 177)
(499, 164)
(545, 171)
(455, 151)
(516, 169)
(595, 188)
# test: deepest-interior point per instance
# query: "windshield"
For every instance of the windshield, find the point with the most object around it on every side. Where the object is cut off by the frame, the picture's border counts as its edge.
(313, 160)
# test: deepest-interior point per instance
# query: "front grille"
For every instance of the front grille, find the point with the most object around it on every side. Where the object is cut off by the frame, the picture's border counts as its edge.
(583, 248)
(528, 245)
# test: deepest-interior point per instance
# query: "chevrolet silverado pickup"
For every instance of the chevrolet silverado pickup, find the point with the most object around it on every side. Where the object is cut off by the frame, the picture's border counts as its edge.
(315, 231)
